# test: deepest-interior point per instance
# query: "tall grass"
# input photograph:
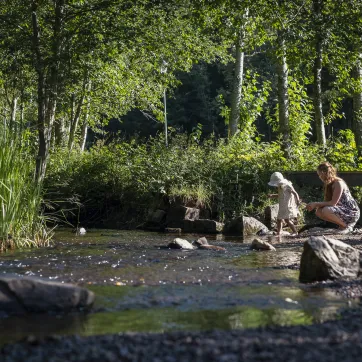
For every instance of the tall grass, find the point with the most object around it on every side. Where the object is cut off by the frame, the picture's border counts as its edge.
(21, 224)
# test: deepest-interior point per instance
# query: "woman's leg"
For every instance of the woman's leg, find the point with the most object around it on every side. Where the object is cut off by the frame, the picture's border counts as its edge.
(327, 214)
(291, 225)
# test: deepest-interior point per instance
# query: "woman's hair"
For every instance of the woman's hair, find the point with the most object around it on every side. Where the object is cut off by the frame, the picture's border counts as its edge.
(329, 175)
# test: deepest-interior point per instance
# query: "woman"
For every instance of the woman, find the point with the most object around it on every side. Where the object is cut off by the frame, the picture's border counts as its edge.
(339, 206)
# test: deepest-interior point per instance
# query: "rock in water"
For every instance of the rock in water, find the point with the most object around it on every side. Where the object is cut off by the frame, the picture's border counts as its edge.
(259, 244)
(180, 244)
(201, 241)
(212, 247)
(20, 295)
(326, 258)
(244, 225)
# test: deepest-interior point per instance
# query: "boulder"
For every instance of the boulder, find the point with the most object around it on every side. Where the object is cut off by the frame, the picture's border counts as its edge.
(155, 220)
(202, 226)
(243, 226)
(326, 258)
(205, 213)
(177, 214)
(22, 295)
(156, 216)
(253, 226)
(234, 227)
(318, 231)
(212, 247)
(259, 244)
(203, 244)
(270, 215)
(201, 241)
(173, 230)
(179, 243)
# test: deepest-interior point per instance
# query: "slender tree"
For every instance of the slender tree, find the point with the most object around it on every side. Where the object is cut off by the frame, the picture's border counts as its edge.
(238, 76)
(357, 105)
(317, 72)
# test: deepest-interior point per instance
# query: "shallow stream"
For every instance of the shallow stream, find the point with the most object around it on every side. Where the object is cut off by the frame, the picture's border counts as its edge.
(141, 286)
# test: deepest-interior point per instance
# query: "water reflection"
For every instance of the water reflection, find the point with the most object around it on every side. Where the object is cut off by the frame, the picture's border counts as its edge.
(16, 328)
(158, 320)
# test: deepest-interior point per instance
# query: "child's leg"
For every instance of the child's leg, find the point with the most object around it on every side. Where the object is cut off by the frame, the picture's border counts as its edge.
(291, 225)
(279, 226)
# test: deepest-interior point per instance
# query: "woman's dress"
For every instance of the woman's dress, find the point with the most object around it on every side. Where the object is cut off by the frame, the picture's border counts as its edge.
(347, 208)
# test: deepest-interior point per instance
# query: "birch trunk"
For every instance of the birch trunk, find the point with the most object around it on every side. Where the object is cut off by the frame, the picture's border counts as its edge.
(236, 95)
(47, 83)
(14, 106)
(283, 98)
(83, 135)
(75, 118)
(42, 149)
(317, 70)
(84, 131)
(59, 132)
(357, 108)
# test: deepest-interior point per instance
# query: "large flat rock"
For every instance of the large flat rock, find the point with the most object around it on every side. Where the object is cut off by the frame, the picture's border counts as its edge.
(22, 295)
(326, 258)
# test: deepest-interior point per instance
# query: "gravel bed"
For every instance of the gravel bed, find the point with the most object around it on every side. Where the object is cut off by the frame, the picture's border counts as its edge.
(338, 341)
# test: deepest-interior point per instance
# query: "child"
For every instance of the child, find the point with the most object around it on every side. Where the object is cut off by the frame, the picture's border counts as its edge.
(288, 201)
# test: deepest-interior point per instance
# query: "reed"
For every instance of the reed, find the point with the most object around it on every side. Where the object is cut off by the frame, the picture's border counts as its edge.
(21, 222)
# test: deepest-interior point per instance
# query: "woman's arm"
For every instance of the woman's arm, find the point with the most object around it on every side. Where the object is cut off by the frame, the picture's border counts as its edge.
(337, 193)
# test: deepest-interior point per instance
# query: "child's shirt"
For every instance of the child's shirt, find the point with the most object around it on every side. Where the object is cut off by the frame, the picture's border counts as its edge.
(288, 208)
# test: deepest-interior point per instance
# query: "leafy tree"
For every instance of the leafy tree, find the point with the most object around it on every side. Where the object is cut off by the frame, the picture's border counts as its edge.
(117, 46)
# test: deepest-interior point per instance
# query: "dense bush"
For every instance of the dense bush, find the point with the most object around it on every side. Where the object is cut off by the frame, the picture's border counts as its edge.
(128, 178)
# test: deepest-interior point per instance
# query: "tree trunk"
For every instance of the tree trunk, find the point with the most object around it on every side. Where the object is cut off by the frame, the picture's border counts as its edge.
(84, 131)
(42, 149)
(283, 98)
(238, 81)
(14, 106)
(317, 70)
(75, 118)
(59, 133)
(47, 84)
(357, 108)
(21, 120)
(83, 135)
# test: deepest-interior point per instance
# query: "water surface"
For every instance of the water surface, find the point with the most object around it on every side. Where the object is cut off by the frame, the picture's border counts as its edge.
(141, 286)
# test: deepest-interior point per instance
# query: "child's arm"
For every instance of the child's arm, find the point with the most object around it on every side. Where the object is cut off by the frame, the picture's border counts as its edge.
(272, 195)
(297, 198)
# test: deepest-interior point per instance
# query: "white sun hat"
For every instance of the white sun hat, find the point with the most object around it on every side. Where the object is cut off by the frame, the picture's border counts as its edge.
(276, 179)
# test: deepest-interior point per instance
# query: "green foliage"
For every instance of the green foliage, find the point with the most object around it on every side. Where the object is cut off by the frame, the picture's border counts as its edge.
(103, 58)
(127, 178)
(342, 151)
(20, 198)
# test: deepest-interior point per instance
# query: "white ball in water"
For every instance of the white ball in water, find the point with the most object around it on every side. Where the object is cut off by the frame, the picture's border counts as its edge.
(82, 231)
